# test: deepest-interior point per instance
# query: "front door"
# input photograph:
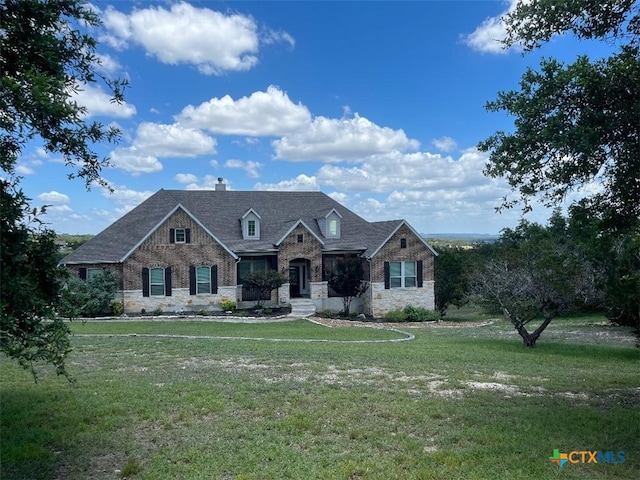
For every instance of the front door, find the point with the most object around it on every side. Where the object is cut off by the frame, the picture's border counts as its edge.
(299, 278)
(294, 281)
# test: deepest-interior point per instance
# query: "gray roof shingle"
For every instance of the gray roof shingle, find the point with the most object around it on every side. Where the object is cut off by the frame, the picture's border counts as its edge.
(220, 212)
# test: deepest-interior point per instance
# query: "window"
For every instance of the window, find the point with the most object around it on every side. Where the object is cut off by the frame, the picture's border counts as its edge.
(300, 238)
(203, 280)
(180, 235)
(156, 281)
(258, 264)
(402, 274)
(251, 228)
(403, 243)
(333, 227)
(93, 273)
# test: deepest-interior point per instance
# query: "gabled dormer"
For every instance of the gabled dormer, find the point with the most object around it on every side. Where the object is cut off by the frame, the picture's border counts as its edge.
(330, 224)
(250, 225)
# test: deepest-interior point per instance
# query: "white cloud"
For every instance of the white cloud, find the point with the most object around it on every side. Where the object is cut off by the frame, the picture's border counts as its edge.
(172, 141)
(133, 161)
(210, 40)
(300, 183)
(334, 140)
(208, 182)
(97, 102)
(108, 64)
(260, 114)
(251, 167)
(22, 169)
(53, 197)
(185, 178)
(489, 36)
(445, 144)
(125, 198)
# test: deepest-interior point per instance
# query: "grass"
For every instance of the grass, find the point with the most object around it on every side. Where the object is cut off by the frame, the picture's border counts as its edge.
(467, 402)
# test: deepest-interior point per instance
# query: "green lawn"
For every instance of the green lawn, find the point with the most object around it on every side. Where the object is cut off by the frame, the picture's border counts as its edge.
(453, 403)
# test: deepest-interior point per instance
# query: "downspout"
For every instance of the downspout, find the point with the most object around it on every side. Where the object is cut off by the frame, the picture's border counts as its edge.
(238, 300)
(370, 288)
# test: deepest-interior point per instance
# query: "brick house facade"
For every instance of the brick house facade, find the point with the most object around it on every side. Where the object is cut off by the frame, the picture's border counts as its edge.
(188, 251)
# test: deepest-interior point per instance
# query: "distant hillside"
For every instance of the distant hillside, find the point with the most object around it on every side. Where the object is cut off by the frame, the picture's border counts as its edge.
(458, 239)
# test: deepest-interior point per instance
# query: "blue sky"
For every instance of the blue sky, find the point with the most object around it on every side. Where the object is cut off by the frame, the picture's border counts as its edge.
(378, 104)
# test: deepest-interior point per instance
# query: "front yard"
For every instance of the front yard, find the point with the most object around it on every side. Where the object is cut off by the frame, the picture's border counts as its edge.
(458, 401)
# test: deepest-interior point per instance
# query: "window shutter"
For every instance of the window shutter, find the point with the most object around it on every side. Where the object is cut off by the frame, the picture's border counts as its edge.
(214, 279)
(82, 273)
(187, 235)
(419, 273)
(167, 281)
(387, 276)
(145, 282)
(192, 280)
(172, 235)
(273, 262)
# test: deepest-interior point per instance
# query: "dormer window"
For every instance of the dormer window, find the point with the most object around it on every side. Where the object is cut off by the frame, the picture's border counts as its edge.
(332, 224)
(251, 225)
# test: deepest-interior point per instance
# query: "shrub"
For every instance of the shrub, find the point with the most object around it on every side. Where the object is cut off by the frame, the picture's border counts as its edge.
(88, 298)
(267, 311)
(157, 311)
(228, 305)
(395, 316)
(202, 312)
(411, 314)
(117, 308)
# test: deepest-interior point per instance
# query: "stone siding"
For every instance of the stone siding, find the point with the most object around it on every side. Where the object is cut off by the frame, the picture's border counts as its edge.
(397, 298)
(179, 301)
(309, 249)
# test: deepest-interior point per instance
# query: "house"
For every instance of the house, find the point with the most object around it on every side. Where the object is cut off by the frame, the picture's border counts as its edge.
(189, 250)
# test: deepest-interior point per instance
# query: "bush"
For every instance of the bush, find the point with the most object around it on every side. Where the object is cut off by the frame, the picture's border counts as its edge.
(117, 308)
(228, 305)
(89, 298)
(412, 314)
(202, 312)
(157, 311)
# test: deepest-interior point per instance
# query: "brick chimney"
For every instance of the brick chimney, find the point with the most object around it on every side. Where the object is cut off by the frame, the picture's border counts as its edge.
(220, 187)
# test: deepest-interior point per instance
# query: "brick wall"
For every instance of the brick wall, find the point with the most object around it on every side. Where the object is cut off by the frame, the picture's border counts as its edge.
(310, 249)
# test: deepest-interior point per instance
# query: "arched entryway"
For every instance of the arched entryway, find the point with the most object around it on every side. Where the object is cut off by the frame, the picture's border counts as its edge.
(299, 278)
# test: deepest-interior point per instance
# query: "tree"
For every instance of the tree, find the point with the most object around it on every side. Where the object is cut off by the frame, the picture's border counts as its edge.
(88, 298)
(264, 282)
(347, 281)
(451, 278)
(536, 274)
(30, 281)
(575, 123)
(45, 56)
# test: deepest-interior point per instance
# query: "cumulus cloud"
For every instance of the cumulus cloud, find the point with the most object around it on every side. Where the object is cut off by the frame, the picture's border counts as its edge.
(488, 37)
(252, 168)
(53, 197)
(185, 178)
(172, 140)
(334, 140)
(124, 197)
(134, 161)
(211, 41)
(300, 183)
(107, 63)
(97, 102)
(445, 144)
(208, 182)
(260, 114)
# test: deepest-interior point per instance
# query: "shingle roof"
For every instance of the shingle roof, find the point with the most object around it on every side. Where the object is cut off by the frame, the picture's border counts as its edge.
(220, 212)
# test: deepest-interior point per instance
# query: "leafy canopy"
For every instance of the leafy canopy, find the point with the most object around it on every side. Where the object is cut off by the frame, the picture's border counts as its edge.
(575, 125)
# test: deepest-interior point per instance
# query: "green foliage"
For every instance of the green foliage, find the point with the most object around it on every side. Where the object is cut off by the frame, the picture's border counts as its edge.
(451, 278)
(45, 56)
(412, 314)
(264, 282)
(347, 281)
(575, 123)
(202, 312)
(30, 280)
(89, 298)
(157, 311)
(228, 306)
(117, 308)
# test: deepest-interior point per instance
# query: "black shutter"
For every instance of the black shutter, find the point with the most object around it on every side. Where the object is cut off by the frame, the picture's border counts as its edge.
(82, 273)
(419, 273)
(187, 235)
(273, 262)
(145, 282)
(167, 281)
(172, 235)
(192, 280)
(387, 276)
(214, 279)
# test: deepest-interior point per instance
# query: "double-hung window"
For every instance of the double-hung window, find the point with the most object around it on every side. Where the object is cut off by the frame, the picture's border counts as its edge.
(181, 235)
(156, 281)
(402, 274)
(203, 280)
(251, 228)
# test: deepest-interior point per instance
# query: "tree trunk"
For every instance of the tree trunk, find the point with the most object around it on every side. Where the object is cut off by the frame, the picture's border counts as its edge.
(530, 339)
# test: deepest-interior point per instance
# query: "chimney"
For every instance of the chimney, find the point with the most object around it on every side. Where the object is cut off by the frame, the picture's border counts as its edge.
(220, 187)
